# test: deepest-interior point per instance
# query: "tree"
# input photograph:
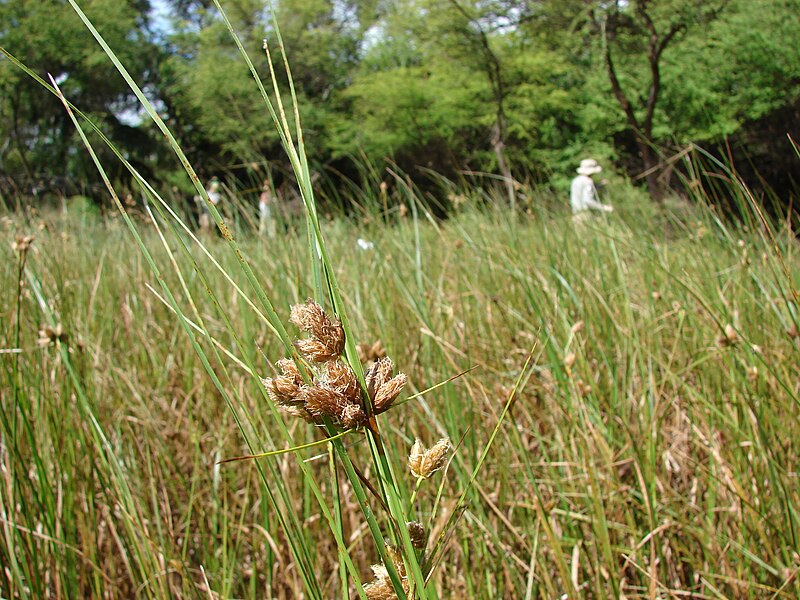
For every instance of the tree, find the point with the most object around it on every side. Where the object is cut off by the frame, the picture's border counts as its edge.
(460, 82)
(211, 91)
(644, 29)
(49, 37)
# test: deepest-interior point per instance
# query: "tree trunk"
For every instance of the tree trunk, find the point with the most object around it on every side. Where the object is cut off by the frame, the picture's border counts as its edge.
(495, 76)
(643, 128)
(499, 146)
(650, 163)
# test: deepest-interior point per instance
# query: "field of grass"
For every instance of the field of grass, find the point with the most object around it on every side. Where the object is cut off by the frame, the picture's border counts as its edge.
(649, 450)
(610, 407)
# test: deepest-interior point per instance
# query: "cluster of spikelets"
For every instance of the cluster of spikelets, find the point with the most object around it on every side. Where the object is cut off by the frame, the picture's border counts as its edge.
(330, 389)
(380, 588)
(422, 463)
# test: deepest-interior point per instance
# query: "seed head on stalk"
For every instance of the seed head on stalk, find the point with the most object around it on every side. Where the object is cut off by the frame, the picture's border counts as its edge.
(424, 463)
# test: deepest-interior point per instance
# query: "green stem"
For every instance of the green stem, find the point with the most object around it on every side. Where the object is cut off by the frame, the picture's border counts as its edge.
(417, 486)
(17, 326)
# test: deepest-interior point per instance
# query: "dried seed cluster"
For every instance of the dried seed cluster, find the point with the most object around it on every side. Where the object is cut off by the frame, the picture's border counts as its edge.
(382, 388)
(334, 391)
(424, 463)
(22, 243)
(416, 532)
(380, 588)
(327, 335)
(50, 335)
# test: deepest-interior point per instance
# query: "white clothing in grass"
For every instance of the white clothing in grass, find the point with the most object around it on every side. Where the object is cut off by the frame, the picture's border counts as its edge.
(583, 195)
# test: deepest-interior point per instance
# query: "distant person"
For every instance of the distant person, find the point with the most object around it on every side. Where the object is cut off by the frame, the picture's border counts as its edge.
(583, 193)
(214, 196)
(266, 220)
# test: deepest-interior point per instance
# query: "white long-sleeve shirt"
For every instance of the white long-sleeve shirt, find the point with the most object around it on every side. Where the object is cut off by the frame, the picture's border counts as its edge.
(583, 194)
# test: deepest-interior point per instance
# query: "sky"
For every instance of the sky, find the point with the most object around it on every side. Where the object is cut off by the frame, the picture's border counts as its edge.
(160, 17)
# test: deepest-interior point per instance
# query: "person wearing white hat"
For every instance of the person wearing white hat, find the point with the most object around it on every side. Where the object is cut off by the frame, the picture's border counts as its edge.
(583, 193)
(214, 196)
(266, 222)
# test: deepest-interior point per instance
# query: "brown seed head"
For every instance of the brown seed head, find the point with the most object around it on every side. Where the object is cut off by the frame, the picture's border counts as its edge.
(393, 552)
(424, 463)
(417, 534)
(328, 332)
(415, 457)
(316, 351)
(378, 374)
(322, 401)
(352, 416)
(289, 369)
(300, 413)
(340, 377)
(388, 392)
(308, 316)
(380, 588)
(379, 572)
(22, 243)
(285, 388)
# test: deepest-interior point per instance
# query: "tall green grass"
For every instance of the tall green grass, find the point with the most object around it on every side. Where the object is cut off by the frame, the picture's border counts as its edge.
(624, 411)
(645, 454)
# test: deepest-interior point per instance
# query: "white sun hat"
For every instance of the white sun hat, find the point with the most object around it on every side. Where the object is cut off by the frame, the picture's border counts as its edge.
(589, 166)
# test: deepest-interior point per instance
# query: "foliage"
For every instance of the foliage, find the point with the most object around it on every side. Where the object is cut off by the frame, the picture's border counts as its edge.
(39, 146)
(623, 377)
(754, 40)
(426, 83)
(641, 415)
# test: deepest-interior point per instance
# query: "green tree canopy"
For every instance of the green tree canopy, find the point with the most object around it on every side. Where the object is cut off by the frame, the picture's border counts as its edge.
(39, 143)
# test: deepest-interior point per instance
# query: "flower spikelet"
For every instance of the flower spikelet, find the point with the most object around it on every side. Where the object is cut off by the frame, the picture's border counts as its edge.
(381, 588)
(327, 335)
(424, 463)
(415, 456)
(378, 374)
(352, 416)
(340, 377)
(393, 552)
(388, 392)
(300, 413)
(417, 534)
(316, 350)
(322, 401)
(285, 388)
